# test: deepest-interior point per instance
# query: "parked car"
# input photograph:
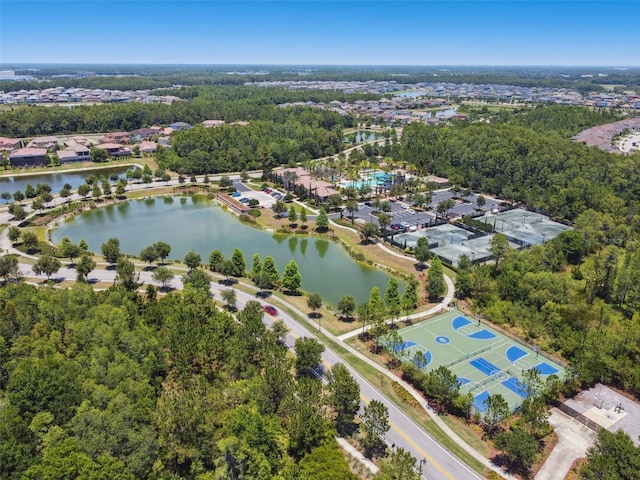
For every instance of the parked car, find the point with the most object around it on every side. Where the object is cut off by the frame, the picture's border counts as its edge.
(236, 194)
(395, 227)
(270, 310)
(244, 200)
(405, 224)
(268, 191)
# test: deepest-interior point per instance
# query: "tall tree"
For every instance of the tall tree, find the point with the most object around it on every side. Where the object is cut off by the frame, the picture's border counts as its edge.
(111, 250)
(344, 396)
(270, 271)
(291, 279)
(163, 275)
(256, 267)
(163, 249)
(239, 265)
(436, 286)
(375, 424)
(498, 248)
(392, 298)
(192, 260)
(612, 456)
(84, 267)
(216, 257)
(421, 251)
(322, 221)
(400, 465)
(46, 265)
(346, 306)
(308, 355)
(126, 275)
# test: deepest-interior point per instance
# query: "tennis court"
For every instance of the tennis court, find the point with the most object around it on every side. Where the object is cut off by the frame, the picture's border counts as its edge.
(445, 234)
(476, 249)
(485, 361)
(526, 228)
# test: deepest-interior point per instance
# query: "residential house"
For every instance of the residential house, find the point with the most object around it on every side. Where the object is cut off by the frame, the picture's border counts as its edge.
(212, 123)
(144, 134)
(177, 126)
(74, 153)
(10, 143)
(440, 182)
(148, 147)
(28, 157)
(114, 149)
(49, 143)
(116, 137)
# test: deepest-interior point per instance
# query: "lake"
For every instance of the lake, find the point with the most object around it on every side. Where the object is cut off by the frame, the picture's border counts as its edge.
(193, 223)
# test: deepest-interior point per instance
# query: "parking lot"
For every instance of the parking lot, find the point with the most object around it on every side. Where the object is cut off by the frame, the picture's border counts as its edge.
(266, 199)
(405, 218)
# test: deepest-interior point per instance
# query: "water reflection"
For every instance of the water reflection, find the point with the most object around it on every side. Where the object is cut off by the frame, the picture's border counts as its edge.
(202, 227)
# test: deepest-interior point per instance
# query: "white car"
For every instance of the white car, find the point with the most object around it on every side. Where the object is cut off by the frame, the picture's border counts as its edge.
(405, 224)
(410, 211)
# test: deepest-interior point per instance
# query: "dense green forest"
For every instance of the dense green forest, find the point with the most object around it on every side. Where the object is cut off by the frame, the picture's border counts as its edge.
(305, 134)
(105, 384)
(224, 103)
(531, 162)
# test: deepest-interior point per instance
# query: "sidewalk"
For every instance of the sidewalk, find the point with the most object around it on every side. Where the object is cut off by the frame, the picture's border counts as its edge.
(355, 453)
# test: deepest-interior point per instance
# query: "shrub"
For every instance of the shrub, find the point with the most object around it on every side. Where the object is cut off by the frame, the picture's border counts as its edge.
(247, 218)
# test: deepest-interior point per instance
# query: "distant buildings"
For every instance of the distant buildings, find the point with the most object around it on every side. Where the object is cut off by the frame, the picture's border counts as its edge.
(602, 135)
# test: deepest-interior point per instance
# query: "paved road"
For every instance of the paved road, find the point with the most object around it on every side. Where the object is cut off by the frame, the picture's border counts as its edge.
(440, 464)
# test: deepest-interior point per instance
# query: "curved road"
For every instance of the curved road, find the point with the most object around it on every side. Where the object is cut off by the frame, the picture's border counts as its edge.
(440, 463)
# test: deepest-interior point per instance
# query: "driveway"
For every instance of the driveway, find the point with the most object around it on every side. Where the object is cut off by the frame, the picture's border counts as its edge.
(573, 440)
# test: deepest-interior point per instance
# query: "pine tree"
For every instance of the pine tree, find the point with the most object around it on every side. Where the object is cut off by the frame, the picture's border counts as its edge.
(436, 287)
(291, 279)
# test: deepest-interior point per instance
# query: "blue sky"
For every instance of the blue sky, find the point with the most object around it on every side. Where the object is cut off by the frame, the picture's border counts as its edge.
(321, 32)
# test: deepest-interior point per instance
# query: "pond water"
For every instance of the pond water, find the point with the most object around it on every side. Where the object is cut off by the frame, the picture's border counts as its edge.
(411, 94)
(361, 136)
(191, 223)
(56, 180)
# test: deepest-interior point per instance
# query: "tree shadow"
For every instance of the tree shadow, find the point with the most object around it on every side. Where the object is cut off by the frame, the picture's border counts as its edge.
(420, 267)
(503, 462)
(228, 282)
(347, 319)
(263, 294)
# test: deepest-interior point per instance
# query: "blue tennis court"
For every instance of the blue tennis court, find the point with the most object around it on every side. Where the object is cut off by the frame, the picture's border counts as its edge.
(485, 361)
(484, 366)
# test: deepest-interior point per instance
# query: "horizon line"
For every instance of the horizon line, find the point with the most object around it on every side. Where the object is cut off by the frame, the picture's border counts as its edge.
(8, 64)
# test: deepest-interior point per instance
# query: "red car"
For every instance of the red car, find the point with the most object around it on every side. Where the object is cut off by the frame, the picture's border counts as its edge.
(270, 310)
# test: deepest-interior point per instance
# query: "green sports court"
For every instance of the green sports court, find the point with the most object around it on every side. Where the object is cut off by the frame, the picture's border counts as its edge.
(485, 361)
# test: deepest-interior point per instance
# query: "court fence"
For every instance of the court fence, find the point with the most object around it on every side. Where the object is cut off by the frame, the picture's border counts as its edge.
(578, 416)
(467, 356)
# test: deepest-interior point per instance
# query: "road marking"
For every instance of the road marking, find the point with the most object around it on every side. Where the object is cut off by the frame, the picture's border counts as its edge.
(416, 446)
